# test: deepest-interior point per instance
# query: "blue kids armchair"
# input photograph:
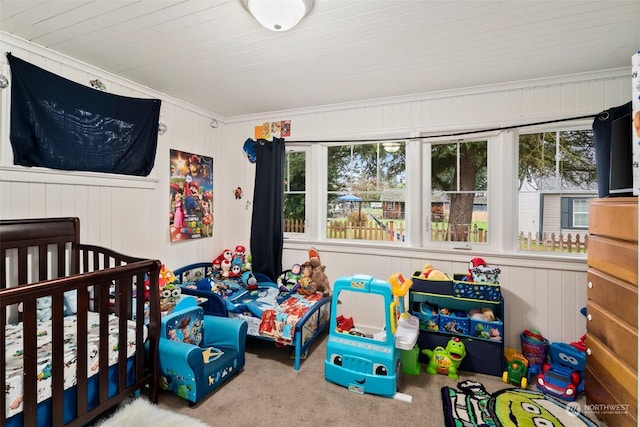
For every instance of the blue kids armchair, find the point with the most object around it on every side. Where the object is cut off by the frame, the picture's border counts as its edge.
(198, 353)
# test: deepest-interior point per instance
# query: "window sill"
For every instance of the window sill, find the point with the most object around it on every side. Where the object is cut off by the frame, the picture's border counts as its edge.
(49, 176)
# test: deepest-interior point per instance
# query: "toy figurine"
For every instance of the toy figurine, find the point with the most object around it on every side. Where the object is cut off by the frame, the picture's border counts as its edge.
(446, 360)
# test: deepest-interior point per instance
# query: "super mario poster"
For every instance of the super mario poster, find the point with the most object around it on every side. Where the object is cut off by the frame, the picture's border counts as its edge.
(191, 201)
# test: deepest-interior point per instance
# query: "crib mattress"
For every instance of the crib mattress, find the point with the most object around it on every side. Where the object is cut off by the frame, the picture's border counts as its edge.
(14, 351)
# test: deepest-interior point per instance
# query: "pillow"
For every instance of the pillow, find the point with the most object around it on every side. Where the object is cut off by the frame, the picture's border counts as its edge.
(70, 303)
(186, 326)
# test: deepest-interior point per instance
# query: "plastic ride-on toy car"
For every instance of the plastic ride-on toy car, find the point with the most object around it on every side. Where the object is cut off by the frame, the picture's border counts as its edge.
(563, 375)
(516, 372)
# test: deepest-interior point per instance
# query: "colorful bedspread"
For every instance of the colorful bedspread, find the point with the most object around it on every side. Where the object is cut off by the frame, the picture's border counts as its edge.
(279, 323)
(14, 350)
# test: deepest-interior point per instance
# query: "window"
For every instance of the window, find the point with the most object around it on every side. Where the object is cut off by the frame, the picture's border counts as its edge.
(457, 191)
(295, 195)
(575, 213)
(366, 192)
(556, 178)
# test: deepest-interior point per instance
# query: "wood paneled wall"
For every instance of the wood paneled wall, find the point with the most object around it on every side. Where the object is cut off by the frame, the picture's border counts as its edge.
(131, 215)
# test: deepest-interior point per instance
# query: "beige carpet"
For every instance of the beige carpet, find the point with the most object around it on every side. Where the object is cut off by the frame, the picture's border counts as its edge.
(270, 392)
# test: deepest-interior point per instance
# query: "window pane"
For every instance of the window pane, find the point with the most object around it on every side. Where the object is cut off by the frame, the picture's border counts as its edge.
(557, 176)
(366, 191)
(580, 213)
(458, 192)
(294, 192)
(294, 171)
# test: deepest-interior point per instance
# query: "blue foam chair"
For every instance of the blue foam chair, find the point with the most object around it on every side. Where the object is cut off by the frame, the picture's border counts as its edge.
(198, 353)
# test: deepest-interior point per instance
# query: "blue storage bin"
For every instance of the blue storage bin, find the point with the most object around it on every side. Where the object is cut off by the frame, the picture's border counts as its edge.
(456, 322)
(428, 321)
(485, 329)
(475, 290)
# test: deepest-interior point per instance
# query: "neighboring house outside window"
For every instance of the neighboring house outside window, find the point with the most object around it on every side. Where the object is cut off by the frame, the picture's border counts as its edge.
(556, 171)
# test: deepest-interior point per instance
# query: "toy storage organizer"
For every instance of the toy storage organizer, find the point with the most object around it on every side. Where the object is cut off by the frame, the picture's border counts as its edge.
(483, 340)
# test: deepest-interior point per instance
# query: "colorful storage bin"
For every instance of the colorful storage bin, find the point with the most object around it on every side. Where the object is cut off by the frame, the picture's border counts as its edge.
(475, 290)
(429, 286)
(428, 321)
(486, 275)
(456, 322)
(486, 329)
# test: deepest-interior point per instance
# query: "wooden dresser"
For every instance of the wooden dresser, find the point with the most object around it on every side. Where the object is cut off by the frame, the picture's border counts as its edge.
(611, 377)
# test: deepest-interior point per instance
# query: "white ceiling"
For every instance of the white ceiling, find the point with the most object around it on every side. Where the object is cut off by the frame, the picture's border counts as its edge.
(213, 54)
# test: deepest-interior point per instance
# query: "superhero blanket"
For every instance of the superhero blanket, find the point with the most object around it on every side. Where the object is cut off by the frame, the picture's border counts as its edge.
(279, 323)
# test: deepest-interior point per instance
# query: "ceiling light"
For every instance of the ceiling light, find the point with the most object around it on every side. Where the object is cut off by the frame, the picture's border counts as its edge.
(278, 15)
(391, 147)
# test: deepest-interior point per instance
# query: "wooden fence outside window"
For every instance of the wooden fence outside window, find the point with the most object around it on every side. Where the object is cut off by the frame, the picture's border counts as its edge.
(394, 231)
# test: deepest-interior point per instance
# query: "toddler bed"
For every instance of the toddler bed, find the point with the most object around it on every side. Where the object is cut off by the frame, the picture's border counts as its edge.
(286, 318)
(73, 344)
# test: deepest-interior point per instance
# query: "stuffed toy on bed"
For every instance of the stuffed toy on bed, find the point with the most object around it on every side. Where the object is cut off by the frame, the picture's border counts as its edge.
(318, 277)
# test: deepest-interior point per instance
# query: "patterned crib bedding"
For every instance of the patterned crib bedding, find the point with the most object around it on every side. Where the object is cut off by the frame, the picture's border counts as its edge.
(14, 350)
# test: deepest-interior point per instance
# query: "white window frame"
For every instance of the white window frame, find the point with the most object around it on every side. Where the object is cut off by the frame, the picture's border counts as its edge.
(495, 156)
(321, 153)
(308, 221)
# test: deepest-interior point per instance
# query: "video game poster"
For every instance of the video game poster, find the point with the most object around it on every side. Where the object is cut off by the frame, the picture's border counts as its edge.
(191, 196)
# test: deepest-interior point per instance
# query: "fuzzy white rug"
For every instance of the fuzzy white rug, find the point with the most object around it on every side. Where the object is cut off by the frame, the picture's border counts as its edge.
(142, 413)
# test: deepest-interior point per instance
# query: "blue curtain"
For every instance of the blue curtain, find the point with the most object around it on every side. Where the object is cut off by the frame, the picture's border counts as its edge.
(60, 124)
(268, 205)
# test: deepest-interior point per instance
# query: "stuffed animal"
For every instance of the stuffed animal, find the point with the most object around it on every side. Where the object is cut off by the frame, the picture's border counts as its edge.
(429, 272)
(306, 284)
(318, 277)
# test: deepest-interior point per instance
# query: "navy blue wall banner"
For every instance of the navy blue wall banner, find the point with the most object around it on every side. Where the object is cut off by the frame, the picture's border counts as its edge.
(59, 124)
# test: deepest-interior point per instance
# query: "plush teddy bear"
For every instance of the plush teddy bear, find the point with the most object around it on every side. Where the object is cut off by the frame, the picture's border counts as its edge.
(318, 277)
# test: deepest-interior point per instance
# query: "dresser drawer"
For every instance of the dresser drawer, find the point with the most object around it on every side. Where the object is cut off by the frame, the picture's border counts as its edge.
(615, 257)
(614, 333)
(606, 406)
(618, 377)
(613, 295)
(614, 217)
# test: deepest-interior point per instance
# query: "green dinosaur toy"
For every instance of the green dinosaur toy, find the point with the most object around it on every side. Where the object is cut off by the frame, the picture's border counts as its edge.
(446, 360)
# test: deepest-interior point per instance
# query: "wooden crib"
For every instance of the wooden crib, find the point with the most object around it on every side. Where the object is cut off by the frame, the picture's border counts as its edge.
(95, 293)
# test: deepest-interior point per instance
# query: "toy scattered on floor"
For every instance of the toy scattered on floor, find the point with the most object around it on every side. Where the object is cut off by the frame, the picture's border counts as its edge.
(534, 348)
(517, 371)
(563, 375)
(446, 360)
(371, 362)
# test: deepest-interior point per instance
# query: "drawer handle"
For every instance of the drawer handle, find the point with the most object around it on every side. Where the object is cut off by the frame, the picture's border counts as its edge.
(588, 352)
(590, 285)
(589, 317)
